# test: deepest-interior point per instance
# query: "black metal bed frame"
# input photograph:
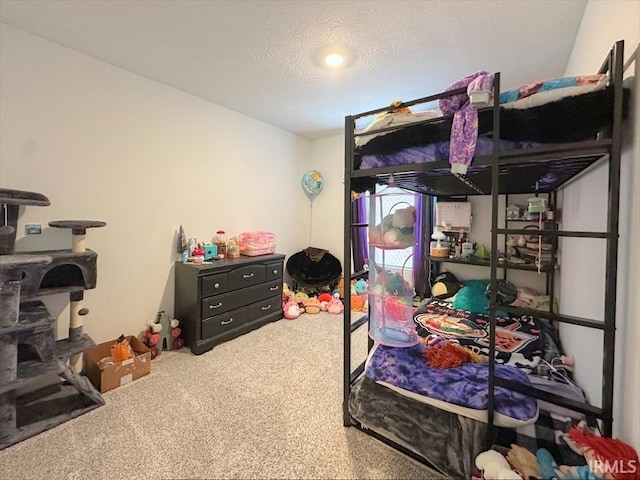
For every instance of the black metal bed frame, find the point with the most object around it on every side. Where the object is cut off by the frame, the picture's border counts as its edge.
(485, 177)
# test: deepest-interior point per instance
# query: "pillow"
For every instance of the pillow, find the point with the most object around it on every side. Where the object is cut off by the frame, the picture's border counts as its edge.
(472, 298)
(525, 297)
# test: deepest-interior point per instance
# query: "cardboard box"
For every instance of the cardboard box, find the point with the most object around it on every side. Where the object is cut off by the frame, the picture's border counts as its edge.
(120, 373)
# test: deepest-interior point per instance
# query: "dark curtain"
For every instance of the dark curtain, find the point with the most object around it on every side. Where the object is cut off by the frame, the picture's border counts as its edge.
(359, 243)
(424, 226)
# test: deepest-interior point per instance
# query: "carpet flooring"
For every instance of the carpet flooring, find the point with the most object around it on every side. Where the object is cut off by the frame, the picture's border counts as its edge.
(267, 404)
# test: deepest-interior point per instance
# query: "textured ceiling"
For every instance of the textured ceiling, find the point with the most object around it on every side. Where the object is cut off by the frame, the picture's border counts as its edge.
(261, 57)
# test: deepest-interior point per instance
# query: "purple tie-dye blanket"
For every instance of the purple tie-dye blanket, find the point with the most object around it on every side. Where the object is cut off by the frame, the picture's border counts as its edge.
(465, 386)
(464, 129)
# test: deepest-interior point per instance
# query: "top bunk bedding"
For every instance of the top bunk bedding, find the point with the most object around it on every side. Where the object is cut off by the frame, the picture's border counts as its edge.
(549, 131)
(527, 122)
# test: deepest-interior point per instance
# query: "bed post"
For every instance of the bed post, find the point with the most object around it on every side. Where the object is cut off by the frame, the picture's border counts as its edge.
(616, 59)
(347, 234)
(494, 257)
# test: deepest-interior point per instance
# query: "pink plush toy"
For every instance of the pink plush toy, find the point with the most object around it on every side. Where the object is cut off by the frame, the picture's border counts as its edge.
(335, 306)
(291, 310)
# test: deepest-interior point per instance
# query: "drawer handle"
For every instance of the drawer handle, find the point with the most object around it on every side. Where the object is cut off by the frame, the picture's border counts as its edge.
(247, 276)
(211, 307)
(266, 308)
(226, 322)
(273, 289)
(275, 272)
(216, 285)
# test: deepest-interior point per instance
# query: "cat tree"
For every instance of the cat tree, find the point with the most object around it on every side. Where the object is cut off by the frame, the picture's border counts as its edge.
(40, 383)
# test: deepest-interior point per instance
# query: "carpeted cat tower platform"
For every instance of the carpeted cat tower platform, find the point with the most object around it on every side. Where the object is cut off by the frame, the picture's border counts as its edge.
(40, 381)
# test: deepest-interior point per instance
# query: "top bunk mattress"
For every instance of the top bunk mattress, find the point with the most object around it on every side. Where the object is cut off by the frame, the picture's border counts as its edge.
(569, 119)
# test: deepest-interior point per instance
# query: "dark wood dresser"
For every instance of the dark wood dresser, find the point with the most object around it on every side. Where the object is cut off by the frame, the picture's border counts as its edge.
(219, 301)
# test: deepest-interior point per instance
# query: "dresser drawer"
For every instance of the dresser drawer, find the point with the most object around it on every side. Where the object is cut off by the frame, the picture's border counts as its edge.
(264, 307)
(232, 300)
(246, 276)
(221, 323)
(223, 303)
(266, 290)
(274, 271)
(213, 284)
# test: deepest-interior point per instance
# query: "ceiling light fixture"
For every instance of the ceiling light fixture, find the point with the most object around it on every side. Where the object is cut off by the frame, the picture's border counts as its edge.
(334, 59)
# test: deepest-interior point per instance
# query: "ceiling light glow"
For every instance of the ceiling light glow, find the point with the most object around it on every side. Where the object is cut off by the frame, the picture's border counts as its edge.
(334, 59)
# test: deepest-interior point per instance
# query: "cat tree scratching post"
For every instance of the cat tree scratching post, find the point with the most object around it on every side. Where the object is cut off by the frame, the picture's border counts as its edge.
(38, 387)
(78, 245)
(11, 267)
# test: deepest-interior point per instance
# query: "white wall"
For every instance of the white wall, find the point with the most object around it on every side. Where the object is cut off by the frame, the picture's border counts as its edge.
(604, 23)
(327, 156)
(102, 143)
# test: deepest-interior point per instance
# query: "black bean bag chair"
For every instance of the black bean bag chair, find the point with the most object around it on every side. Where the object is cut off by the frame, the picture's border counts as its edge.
(313, 270)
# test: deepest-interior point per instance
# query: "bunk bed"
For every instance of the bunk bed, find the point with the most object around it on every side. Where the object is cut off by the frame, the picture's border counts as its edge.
(535, 146)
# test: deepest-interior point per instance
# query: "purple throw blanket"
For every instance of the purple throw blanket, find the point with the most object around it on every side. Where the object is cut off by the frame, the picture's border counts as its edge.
(464, 130)
(465, 386)
(434, 152)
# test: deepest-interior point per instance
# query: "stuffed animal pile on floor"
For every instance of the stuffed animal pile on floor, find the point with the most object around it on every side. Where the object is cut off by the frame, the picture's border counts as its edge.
(605, 458)
(296, 303)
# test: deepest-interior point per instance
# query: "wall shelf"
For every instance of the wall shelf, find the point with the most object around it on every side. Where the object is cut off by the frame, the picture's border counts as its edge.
(487, 263)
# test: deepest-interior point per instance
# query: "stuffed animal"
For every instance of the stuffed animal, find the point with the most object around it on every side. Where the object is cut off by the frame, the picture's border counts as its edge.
(396, 229)
(288, 297)
(356, 303)
(301, 297)
(606, 458)
(324, 299)
(393, 284)
(291, 310)
(335, 306)
(312, 305)
(361, 286)
(287, 294)
(495, 467)
(340, 286)
(524, 462)
(365, 303)
(445, 285)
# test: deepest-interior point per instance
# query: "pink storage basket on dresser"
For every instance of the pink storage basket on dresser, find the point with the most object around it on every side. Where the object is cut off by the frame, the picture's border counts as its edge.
(257, 243)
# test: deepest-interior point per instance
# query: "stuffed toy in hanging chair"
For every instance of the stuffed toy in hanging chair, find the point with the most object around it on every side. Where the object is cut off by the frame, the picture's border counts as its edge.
(396, 229)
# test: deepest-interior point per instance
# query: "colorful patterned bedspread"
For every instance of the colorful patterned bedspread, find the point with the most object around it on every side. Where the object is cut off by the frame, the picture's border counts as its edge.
(465, 386)
(518, 341)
